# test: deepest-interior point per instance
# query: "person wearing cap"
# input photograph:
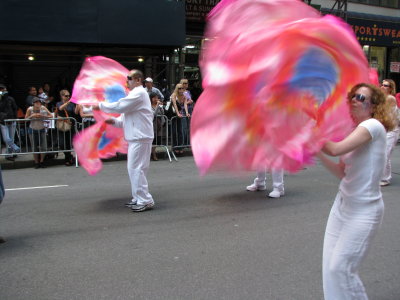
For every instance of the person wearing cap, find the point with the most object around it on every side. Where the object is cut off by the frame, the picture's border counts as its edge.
(148, 82)
(136, 119)
(8, 110)
(37, 131)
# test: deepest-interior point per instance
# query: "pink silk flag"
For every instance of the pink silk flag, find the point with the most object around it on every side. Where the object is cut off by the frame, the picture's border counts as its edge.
(100, 79)
(275, 85)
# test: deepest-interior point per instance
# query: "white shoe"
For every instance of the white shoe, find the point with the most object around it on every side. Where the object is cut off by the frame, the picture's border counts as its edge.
(384, 183)
(276, 193)
(256, 187)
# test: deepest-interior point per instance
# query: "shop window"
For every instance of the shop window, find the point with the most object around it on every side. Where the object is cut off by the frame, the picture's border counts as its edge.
(377, 58)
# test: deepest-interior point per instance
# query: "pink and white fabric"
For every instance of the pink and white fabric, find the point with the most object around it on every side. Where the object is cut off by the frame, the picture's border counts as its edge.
(275, 76)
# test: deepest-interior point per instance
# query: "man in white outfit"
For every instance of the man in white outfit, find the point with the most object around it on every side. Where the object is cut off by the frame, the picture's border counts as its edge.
(137, 121)
(259, 183)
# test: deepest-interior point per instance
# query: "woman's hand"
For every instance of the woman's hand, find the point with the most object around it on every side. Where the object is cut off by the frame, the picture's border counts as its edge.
(179, 115)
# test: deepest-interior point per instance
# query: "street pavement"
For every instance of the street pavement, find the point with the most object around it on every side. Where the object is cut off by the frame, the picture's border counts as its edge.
(69, 235)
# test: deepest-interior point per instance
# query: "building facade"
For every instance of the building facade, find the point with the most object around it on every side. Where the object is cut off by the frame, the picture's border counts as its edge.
(46, 41)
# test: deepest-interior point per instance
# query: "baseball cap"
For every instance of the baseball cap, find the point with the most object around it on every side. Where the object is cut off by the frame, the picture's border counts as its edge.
(148, 79)
(35, 99)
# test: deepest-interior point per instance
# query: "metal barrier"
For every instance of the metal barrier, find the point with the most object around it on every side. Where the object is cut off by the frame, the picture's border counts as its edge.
(161, 134)
(48, 139)
(180, 133)
(168, 134)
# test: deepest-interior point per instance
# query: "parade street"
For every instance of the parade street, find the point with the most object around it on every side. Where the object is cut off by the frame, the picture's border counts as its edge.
(69, 236)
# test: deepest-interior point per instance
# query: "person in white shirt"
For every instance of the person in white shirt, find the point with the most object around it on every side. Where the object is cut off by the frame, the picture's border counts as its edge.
(358, 208)
(388, 87)
(137, 121)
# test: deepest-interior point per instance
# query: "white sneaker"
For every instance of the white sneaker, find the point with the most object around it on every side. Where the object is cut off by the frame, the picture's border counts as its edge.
(276, 193)
(256, 187)
(384, 183)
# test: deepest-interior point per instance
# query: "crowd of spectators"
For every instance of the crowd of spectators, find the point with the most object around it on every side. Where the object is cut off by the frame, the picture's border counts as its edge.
(171, 107)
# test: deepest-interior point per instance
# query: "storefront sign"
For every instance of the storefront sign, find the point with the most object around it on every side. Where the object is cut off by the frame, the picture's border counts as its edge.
(197, 10)
(395, 67)
(376, 33)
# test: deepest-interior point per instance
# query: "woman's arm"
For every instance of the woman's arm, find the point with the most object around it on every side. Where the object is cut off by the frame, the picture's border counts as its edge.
(28, 113)
(64, 106)
(336, 169)
(173, 98)
(186, 108)
(357, 138)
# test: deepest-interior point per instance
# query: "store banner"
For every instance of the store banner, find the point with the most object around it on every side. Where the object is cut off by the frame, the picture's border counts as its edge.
(376, 33)
(197, 10)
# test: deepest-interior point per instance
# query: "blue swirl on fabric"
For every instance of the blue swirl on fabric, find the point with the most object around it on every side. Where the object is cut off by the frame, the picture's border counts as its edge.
(104, 141)
(317, 73)
(114, 92)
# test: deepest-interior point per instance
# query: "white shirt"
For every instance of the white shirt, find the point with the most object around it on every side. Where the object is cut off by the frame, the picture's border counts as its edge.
(136, 115)
(364, 166)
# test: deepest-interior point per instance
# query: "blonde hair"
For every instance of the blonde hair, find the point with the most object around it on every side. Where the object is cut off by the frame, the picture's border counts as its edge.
(177, 86)
(381, 110)
(392, 86)
(62, 92)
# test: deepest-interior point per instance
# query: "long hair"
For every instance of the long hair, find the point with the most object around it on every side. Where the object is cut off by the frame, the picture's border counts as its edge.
(381, 110)
(175, 93)
(392, 86)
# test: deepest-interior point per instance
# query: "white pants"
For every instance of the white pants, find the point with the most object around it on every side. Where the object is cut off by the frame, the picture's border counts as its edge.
(391, 140)
(277, 178)
(350, 229)
(138, 165)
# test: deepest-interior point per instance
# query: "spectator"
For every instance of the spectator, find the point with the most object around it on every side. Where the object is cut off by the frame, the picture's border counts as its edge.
(8, 110)
(37, 130)
(2, 193)
(388, 87)
(86, 113)
(32, 92)
(49, 102)
(188, 95)
(165, 90)
(158, 122)
(180, 127)
(150, 89)
(66, 109)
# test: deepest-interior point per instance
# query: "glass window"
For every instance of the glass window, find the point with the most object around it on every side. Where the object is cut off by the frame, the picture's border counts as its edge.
(377, 59)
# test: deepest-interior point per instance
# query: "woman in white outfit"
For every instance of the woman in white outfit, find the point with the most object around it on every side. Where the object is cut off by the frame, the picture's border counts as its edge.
(358, 208)
(389, 89)
(259, 183)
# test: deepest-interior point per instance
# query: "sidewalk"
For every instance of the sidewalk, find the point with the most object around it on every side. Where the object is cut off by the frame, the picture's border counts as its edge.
(26, 160)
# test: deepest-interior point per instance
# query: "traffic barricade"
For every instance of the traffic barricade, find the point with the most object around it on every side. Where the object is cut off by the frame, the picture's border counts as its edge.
(53, 136)
(161, 135)
(180, 133)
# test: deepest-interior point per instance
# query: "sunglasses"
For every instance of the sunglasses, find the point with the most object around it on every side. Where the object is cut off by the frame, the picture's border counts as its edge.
(129, 77)
(180, 88)
(67, 96)
(385, 85)
(359, 97)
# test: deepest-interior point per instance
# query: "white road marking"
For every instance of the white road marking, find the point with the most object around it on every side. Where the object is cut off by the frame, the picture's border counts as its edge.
(37, 187)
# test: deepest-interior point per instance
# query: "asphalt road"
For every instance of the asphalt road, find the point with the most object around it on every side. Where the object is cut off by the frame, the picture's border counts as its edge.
(207, 238)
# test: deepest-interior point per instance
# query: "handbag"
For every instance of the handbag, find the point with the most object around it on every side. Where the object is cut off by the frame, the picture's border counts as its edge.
(64, 124)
